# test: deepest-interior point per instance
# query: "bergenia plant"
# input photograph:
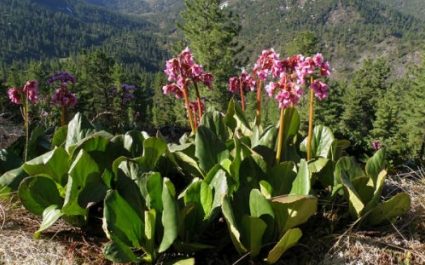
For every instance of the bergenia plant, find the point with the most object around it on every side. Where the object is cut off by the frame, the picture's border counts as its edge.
(184, 71)
(62, 95)
(306, 69)
(23, 96)
(266, 64)
(293, 73)
(239, 84)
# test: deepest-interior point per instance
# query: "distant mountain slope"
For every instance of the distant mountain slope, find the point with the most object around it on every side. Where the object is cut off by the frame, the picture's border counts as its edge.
(410, 7)
(41, 29)
(348, 30)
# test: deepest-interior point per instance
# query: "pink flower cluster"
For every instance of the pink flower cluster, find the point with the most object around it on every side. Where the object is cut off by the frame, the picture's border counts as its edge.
(376, 145)
(62, 95)
(184, 70)
(293, 73)
(28, 91)
(243, 82)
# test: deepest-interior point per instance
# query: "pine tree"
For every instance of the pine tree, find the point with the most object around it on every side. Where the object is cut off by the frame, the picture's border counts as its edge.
(361, 100)
(415, 111)
(210, 29)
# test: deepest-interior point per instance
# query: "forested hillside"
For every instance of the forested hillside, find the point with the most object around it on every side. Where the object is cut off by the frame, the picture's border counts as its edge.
(34, 30)
(411, 7)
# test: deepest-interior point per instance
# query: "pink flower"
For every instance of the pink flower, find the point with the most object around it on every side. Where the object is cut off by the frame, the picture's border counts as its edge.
(376, 145)
(267, 63)
(28, 91)
(289, 95)
(207, 80)
(247, 83)
(324, 69)
(319, 89)
(14, 95)
(318, 59)
(173, 89)
(64, 98)
(271, 88)
(184, 70)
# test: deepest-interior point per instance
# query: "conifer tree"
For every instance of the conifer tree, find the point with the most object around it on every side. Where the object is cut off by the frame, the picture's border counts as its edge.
(361, 99)
(210, 30)
(415, 111)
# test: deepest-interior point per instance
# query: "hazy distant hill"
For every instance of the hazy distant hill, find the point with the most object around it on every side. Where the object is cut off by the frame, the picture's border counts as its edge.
(43, 29)
(411, 7)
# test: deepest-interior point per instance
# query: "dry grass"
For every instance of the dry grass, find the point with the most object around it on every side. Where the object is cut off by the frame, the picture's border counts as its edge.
(9, 132)
(60, 245)
(400, 243)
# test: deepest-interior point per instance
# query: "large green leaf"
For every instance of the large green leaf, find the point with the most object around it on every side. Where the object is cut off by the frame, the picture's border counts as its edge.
(97, 145)
(385, 212)
(188, 164)
(302, 183)
(232, 225)
(267, 138)
(59, 138)
(219, 184)
(132, 141)
(355, 204)
(281, 177)
(149, 245)
(117, 251)
(235, 119)
(78, 128)
(321, 142)
(260, 207)
(153, 149)
(50, 215)
(122, 221)
(350, 167)
(375, 165)
(213, 120)
(338, 146)
(290, 131)
(154, 191)
(374, 201)
(38, 193)
(289, 239)
(85, 185)
(169, 216)
(293, 210)
(12, 178)
(209, 149)
(253, 229)
(199, 197)
(53, 164)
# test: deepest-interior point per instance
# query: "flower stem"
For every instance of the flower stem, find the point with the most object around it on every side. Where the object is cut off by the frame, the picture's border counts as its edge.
(242, 97)
(258, 114)
(189, 113)
(198, 97)
(310, 122)
(26, 125)
(280, 135)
